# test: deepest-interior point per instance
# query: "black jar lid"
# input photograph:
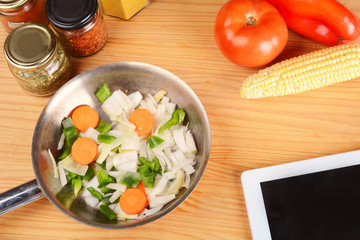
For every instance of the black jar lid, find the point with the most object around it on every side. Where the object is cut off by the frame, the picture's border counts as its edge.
(71, 14)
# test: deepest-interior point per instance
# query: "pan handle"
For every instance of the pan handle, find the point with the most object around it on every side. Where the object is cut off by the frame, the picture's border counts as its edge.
(19, 196)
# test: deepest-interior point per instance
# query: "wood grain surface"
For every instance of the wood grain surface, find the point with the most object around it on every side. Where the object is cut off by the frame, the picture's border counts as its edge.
(178, 35)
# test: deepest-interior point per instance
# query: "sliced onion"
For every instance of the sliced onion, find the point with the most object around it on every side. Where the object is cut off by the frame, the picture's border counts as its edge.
(90, 133)
(159, 95)
(53, 162)
(61, 142)
(161, 200)
(131, 143)
(190, 143)
(158, 188)
(69, 164)
(180, 139)
(136, 98)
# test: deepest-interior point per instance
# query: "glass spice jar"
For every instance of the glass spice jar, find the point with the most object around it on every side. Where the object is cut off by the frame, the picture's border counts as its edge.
(79, 23)
(37, 59)
(14, 13)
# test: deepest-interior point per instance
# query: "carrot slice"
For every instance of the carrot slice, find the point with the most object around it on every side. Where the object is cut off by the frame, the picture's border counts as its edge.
(143, 120)
(84, 150)
(133, 201)
(141, 186)
(85, 117)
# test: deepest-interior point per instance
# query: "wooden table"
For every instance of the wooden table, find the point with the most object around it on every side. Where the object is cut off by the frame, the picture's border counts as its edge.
(246, 134)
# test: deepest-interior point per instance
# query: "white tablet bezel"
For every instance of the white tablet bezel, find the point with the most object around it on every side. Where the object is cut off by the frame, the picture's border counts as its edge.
(251, 180)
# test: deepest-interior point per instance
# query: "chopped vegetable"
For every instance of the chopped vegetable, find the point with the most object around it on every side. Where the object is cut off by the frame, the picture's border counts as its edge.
(154, 141)
(77, 183)
(85, 117)
(103, 177)
(71, 165)
(120, 156)
(108, 212)
(148, 171)
(103, 138)
(103, 127)
(90, 173)
(71, 134)
(177, 117)
(159, 95)
(103, 93)
(133, 201)
(84, 150)
(306, 72)
(143, 120)
(95, 193)
(130, 180)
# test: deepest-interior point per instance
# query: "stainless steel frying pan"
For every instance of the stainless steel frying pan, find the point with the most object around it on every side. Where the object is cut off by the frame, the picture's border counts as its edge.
(131, 76)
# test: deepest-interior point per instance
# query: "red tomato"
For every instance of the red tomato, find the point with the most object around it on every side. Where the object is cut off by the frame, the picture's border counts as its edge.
(250, 33)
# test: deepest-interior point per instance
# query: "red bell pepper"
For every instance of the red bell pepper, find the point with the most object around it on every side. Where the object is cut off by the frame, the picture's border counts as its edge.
(324, 21)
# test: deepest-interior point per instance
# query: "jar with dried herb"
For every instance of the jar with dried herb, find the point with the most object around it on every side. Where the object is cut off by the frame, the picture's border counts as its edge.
(37, 59)
(79, 23)
(14, 13)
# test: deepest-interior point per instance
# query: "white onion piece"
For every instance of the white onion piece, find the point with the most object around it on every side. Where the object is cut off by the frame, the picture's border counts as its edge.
(180, 139)
(115, 195)
(136, 98)
(61, 142)
(69, 164)
(62, 176)
(68, 122)
(158, 188)
(90, 133)
(161, 200)
(111, 107)
(159, 95)
(53, 162)
(132, 142)
(91, 201)
(190, 143)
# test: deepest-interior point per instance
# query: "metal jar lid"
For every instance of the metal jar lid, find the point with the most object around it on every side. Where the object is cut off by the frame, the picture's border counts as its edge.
(11, 5)
(30, 46)
(71, 14)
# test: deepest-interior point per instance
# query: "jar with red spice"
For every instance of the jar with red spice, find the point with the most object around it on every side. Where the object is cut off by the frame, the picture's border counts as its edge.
(80, 25)
(14, 13)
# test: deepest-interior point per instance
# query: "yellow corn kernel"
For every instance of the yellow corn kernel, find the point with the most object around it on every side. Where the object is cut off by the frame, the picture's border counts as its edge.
(306, 72)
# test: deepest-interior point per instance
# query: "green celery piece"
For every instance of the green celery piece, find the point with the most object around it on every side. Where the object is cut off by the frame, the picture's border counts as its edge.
(148, 171)
(106, 190)
(71, 134)
(102, 165)
(105, 138)
(103, 93)
(147, 176)
(108, 212)
(95, 193)
(65, 153)
(154, 165)
(106, 200)
(71, 175)
(103, 178)
(178, 116)
(130, 180)
(103, 127)
(90, 173)
(154, 141)
(77, 183)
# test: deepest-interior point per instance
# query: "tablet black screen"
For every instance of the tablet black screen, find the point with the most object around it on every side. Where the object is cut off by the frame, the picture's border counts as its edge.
(322, 205)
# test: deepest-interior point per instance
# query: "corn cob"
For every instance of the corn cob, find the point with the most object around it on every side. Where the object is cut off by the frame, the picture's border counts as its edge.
(306, 72)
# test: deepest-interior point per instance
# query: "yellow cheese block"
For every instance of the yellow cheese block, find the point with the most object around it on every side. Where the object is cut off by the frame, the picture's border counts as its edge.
(124, 9)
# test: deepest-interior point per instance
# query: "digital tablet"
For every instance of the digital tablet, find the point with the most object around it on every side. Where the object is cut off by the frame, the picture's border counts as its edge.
(311, 199)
